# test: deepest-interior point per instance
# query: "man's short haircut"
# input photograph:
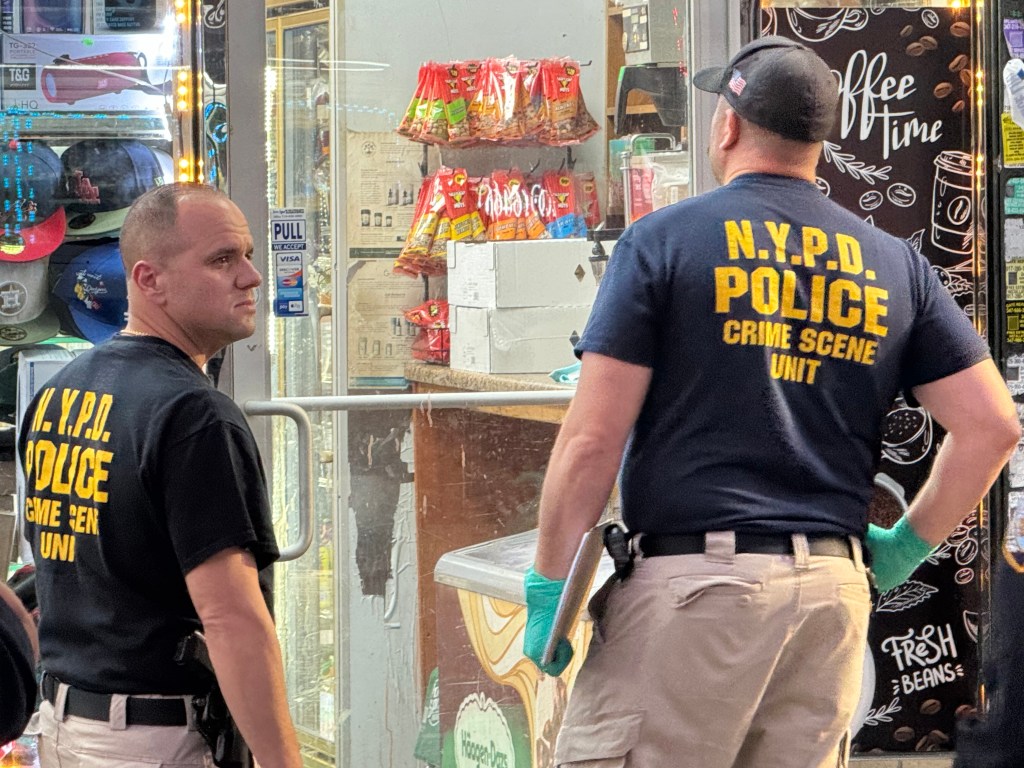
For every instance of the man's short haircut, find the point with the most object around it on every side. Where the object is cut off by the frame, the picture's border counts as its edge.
(150, 228)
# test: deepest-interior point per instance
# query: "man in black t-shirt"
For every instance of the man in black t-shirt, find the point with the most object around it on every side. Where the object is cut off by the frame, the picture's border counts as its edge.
(147, 510)
(747, 343)
(17, 665)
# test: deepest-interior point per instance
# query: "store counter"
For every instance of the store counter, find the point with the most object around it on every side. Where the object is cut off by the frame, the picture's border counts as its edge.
(478, 473)
(492, 698)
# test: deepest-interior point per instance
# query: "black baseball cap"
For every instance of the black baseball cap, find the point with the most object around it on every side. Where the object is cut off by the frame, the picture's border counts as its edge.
(778, 84)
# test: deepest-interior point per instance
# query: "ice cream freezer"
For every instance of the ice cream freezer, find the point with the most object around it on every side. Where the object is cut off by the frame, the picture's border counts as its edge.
(495, 707)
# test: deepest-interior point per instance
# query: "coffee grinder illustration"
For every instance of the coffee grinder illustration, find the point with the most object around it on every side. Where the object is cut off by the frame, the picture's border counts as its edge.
(952, 205)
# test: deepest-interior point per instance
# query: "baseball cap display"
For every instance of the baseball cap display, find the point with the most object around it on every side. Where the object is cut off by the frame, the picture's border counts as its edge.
(32, 217)
(778, 84)
(25, 316)
(103, 177)
(94, 290)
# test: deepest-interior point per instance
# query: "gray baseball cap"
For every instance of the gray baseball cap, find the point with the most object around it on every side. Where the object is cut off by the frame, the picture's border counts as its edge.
(778, 84)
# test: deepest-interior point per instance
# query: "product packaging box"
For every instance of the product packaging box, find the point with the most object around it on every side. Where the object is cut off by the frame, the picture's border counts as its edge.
(128, 15)
(515, 340)
(79, 73)
(522, 273)
(50, 16)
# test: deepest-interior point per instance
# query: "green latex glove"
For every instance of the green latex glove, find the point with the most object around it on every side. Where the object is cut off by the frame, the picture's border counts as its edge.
(542, 596)
(895, 553)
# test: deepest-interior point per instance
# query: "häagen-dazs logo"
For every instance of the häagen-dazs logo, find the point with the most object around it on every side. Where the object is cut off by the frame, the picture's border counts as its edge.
(482, 736)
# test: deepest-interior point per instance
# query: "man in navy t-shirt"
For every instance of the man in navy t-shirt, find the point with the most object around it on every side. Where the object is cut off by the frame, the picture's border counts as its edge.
(743, 350)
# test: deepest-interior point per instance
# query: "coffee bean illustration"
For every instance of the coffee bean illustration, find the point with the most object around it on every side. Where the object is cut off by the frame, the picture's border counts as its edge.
(959, 62)
(958, 107)
(930, 706)
(960, 29)
(964, 710)
(907, 31)
(903, 733)
(915, 49)
(965, 76)
(929, 43)
(901, 194)
(942, 90)
(871, 200)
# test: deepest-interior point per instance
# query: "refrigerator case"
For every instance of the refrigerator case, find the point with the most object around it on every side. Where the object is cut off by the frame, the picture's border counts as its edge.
(902, 156)
(494, 701)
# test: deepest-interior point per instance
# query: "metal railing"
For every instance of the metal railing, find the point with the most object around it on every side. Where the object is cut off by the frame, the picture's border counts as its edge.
(298, 408)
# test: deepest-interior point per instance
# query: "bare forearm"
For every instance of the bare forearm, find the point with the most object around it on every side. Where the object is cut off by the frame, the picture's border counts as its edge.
(964, 469)
(247, 659)
(580, 479)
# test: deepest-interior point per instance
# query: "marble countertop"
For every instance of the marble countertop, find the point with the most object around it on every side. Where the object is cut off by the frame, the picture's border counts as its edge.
(470, 381)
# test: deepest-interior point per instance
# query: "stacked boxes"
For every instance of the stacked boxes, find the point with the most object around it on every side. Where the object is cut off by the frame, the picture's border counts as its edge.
(75, 73)
(517, 307)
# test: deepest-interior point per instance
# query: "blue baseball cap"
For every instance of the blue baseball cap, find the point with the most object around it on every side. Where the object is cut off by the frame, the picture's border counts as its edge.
(103, 177)
(94, 289)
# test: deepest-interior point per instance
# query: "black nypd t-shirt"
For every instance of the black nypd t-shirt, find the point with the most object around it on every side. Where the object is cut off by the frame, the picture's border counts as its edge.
(137, 471)
(779, 327)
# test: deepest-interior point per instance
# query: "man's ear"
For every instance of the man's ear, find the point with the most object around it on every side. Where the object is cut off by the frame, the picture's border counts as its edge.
(146, 278)
(731, 126)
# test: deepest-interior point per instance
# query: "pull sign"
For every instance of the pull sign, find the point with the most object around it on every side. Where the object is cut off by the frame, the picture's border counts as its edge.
(288, 260)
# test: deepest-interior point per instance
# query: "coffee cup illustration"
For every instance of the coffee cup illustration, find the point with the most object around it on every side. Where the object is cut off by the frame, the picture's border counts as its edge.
(817, 25)
(952, 202)
(906, 433)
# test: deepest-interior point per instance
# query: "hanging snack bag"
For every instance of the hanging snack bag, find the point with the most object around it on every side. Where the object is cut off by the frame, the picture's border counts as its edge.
(530, 99)
(469, 83)
(461, 206)
(433, 343)
(585, 125)
(561, 80)
(436, 262)
(586, 196)
(412, 124)
(508, 80)
(435, 124)
(455, 105)
(500, 207)
(529, 225)
(560, 212)
(413, 258)
(485, 110)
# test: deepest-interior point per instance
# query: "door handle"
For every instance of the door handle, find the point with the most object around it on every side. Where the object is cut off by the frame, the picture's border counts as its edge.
(305, 438)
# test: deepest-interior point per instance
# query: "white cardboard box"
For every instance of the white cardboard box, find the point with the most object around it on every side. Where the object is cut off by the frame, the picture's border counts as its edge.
(522, 273)
(82, 73)
(515, 340)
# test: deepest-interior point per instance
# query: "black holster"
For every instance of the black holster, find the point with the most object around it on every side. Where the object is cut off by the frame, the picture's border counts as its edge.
(212, 717)
(618, 543)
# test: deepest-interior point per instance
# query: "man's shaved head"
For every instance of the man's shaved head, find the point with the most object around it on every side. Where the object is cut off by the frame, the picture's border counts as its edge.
(150, 228)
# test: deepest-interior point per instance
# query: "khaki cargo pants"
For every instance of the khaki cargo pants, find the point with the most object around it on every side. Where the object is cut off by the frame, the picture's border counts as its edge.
(77, 742)
(722, 660)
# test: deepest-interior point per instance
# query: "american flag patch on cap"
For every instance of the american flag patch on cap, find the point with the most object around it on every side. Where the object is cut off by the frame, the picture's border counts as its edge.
(737, 83)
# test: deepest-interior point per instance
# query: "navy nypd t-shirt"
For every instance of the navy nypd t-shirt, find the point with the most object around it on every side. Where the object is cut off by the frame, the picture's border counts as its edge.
(780, 327)
(137, 470)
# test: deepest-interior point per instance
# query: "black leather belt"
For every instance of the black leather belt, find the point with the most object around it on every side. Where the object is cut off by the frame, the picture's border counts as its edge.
(657, 545)
(96, 706)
